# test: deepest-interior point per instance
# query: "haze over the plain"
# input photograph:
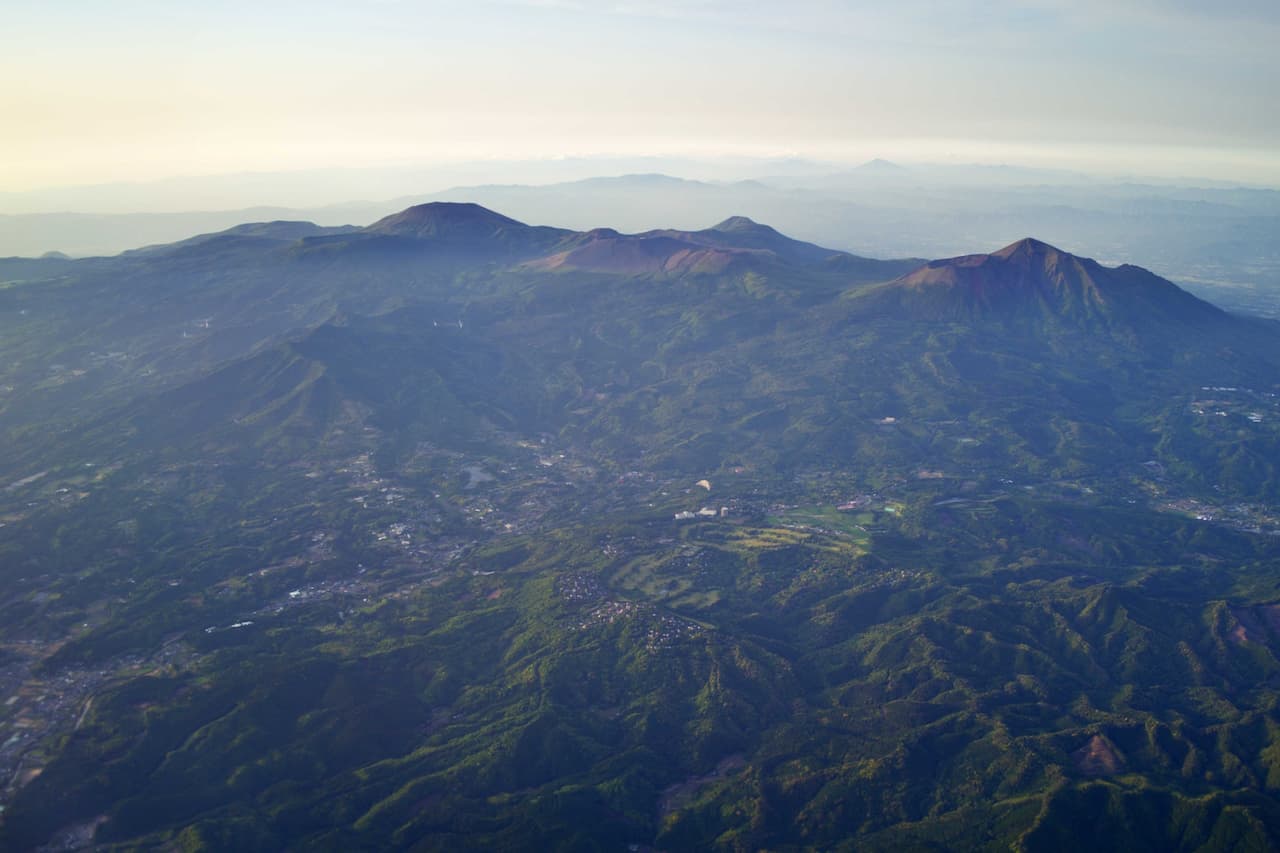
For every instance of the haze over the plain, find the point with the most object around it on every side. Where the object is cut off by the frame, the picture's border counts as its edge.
(138, 90)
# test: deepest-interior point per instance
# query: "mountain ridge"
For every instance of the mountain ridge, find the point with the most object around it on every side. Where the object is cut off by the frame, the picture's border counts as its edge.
(1031, 280)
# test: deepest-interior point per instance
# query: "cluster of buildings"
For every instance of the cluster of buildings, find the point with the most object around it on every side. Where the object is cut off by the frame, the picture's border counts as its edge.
(705, 512)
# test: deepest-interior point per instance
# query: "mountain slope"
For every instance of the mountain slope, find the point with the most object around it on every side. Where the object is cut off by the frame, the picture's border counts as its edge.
(742, 233)
(734, 245)
(1031, 281)
(609, 252)
(447, 221)
(1058, 368)
(250, 235)
(466, 226)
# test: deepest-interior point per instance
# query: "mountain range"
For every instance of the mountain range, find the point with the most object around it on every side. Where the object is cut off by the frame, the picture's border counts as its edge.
(1214, 239)
(452, 532)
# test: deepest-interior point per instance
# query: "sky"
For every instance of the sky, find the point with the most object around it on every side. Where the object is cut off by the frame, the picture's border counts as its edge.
(136, 90)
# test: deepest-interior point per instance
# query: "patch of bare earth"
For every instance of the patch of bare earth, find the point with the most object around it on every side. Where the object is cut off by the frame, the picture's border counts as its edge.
(1097, 758)
(76, 837)
(679, 795)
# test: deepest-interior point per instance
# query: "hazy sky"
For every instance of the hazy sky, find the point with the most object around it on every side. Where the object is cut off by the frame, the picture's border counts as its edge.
(131, 90)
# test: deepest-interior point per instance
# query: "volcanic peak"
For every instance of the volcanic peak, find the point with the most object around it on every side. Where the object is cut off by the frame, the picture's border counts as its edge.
(740, 223)
(445, 219)
(1032, 279)
(1028, 247)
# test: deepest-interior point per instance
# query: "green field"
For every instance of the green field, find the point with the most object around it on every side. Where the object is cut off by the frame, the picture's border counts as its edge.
(852, 525)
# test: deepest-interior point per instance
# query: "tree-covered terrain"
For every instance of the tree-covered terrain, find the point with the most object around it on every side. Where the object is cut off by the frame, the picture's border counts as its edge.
(453, 533)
